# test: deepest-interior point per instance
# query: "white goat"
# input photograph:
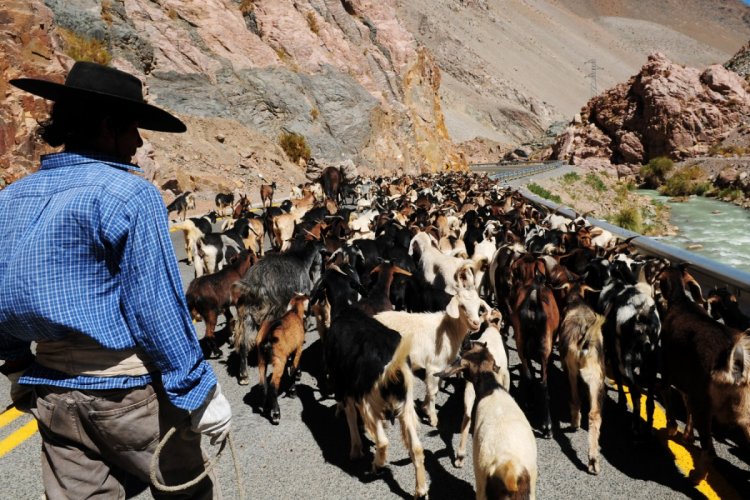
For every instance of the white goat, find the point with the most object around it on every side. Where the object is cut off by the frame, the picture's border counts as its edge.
(434, 263)
(436, 337)
(192, 234)
(504, 447)
(493, 340)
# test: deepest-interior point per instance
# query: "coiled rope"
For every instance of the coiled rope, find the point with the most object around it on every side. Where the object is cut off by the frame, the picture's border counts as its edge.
(208, 467)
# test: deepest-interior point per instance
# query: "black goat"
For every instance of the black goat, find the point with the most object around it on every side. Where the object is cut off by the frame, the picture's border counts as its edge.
(265, 291)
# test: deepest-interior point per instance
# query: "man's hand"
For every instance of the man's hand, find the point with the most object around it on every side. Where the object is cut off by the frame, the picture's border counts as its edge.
(214, 417)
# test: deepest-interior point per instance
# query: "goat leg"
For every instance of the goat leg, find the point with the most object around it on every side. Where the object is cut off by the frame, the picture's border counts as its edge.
(210, 318)
(273, 392)
(547, 423)
(469, 397)
(595, 382)
(295, 372)
(431, 381)
(575, 401)
(687, 434)
(409, 425)
(355, 451)
(702, 417)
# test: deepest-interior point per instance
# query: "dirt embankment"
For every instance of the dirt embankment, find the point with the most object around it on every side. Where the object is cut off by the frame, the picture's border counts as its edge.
(606, 197)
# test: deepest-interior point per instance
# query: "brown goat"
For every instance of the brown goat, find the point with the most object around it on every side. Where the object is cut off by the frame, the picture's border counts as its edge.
(239, 208)
(207, 296)
(266, 194)
(277, 341)
(535, 319)
(378, 299)
(582, 354)
(708, 363)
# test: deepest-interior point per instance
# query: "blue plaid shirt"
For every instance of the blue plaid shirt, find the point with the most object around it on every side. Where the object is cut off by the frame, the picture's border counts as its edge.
(86, 249)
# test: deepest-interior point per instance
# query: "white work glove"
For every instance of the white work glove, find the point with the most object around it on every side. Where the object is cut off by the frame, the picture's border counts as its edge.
(214, 417)
(20, 394)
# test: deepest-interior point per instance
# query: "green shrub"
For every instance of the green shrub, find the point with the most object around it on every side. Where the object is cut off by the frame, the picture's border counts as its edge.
(655, 172)
(595, 182)
(629, 218)
(571, 177)
(295, 146)
(686, 181)
(730, 194)
(82, 48)
(543, 193)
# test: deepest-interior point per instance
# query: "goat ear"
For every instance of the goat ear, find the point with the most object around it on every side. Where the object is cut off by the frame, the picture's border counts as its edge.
(452, 309)
(740, 357)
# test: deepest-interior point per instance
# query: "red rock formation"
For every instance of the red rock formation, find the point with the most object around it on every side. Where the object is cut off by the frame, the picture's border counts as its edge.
(26, 49)
(665, 110)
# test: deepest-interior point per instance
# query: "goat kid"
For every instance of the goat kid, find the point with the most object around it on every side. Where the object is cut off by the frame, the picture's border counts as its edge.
(208, 296)
(277, 341)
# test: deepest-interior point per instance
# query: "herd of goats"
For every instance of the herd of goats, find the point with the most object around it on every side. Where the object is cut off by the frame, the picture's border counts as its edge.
(431, 275)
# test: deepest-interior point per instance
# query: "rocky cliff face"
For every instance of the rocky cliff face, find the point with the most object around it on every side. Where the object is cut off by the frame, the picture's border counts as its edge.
(344, 74)
(740, 62)
(665, 110)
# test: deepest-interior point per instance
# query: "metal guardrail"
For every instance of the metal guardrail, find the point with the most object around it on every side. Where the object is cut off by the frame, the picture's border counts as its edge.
(510, 171)
(709, 273)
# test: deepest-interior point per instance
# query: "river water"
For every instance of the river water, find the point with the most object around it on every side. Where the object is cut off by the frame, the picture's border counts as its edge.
(721, 228)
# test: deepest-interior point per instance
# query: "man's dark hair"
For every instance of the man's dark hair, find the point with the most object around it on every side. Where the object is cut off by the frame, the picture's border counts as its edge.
(76, 124)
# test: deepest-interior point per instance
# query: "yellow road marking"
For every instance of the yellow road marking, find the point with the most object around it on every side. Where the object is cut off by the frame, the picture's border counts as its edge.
(683, 458)
(18, 437)
(9, 416)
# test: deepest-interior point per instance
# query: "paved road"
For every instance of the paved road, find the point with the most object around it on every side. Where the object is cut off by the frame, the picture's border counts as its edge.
(306, 456)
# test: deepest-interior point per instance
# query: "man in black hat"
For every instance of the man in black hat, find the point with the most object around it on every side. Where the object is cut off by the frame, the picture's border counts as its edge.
(89, 275)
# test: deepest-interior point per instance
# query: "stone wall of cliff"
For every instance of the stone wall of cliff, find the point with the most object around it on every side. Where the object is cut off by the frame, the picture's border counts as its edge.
(344, 74)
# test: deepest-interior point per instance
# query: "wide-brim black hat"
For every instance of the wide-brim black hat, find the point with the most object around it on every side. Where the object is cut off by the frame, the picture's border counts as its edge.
(102, 85)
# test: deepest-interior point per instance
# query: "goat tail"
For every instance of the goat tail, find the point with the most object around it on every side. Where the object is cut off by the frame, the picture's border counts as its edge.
(509, 480)
(594, 330)
(739, 363)
(398, 366)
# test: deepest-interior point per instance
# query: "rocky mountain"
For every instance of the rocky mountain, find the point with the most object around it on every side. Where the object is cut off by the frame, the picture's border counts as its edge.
(665, 110)
(388, 84)
(344, 75)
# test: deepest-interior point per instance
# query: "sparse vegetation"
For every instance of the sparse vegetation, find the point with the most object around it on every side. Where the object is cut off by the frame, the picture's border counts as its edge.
(295, 146)
(107, 11)
(312, 22)
(543, 193)
(730, 194)
(595, 182)
(629, 218)
(82, 48)
(654, 173)
(314, 113)
(728, 150)
(247, 6)
(571, 177)
(687, 181)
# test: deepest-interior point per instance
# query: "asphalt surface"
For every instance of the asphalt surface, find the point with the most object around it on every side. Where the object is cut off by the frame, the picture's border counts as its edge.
(306, 456)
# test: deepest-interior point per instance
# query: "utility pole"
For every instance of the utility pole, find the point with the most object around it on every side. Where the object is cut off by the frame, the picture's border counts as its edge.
(592, 76)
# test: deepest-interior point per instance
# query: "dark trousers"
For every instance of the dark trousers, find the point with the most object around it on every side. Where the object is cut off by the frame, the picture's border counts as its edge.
(93, 440)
